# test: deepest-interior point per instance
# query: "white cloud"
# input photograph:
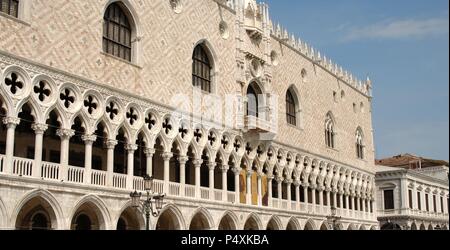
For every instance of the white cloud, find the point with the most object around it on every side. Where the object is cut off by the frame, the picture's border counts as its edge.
(399, 29)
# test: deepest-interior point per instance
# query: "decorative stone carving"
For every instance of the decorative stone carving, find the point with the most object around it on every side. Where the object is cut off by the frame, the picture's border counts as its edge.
(177, 6)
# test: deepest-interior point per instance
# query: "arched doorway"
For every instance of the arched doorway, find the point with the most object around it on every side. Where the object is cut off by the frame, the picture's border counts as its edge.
(430, 227)
(129, 220)
(88, 217)
(309, 226)
(227, 223)
(292, 225)
(251, 224)
(199, 222)
(168, 220)
(273, 225)
(324, 227)
(391, 226)
(36, 214)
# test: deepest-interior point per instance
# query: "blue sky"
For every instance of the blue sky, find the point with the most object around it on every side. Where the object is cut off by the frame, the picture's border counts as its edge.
(403, 45)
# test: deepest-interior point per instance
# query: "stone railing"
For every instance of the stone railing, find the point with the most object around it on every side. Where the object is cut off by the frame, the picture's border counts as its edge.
(77, 175)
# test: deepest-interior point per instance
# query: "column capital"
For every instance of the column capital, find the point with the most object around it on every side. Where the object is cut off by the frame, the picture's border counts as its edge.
(39, 128)
(288, 181)
(183, 159)
(224, 168)
(111, 144)
(65, 133)
(131, 147)
(89, 138)
(297, 183)
(236, 170)
(167, 156)
(197, 163)
(149, 151)
(11, 122)
(279, 179)
(212, 165)
(249, 172)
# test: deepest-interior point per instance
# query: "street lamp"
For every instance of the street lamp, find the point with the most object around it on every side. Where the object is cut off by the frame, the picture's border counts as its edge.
(333, 219)
(153, 203)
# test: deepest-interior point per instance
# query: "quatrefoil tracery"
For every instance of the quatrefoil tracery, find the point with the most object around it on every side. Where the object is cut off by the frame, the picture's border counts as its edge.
(14, 83)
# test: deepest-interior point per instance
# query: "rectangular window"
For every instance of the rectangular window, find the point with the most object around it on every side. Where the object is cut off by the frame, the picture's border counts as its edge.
(10, 7)
(410, 198)
(389, 199)
(434, 204)
(419, 201)
(442, 204)
(427, 202)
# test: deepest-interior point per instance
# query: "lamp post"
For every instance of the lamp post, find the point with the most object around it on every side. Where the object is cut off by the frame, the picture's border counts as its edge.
(153, 203)
(333, 219)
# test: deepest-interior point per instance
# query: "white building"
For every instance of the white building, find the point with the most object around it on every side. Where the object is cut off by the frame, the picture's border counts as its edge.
(412, 198)
(243, 125)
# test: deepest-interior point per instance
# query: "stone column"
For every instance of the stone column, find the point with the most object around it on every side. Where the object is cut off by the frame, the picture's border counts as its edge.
(305, 193)
(353, 202)
(280, 190)
(404, 195)
(39, 130)
(88, 142)
(259, 187)
(341, 200)
(211, 168)
(269, 191)
(149, 153)
(363, 205)
(347, 204)
(224, 169)
(335, 199)
(130, 148)
(65, 135)
(166, 157)
(289, 195)
(297, 184)
(313, 193)
(110, 145)
(329, 197)
(321, 197)
(11, 124)
(197, 166)
(248, 196)
(237, 172)
(183, 160)
(358, 204)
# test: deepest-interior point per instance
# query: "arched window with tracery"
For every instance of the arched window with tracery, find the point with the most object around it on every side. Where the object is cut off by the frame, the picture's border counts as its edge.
(201, 69)
(359, 144)
(10, 7)
(330, 132)
(117, 32)
(291, 108)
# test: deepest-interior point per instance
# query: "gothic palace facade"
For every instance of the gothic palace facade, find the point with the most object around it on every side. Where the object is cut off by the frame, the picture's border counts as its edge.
(242, 125)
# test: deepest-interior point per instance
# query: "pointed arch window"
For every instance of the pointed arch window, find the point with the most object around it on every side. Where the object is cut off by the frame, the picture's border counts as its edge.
(330, 132)
(291, 108)
(253, 102)
(10, 7)
(117, 32)
(201, 69)
(359, 144)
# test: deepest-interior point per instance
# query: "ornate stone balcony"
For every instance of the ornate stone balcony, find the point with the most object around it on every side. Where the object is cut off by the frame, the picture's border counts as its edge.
(52, 173)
